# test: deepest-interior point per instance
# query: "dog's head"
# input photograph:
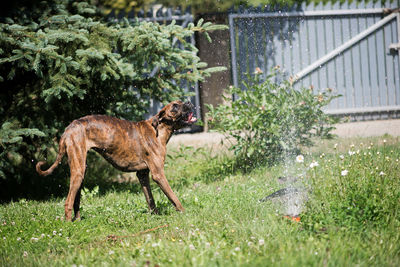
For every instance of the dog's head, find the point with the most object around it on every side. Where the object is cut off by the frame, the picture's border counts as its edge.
(177, 114)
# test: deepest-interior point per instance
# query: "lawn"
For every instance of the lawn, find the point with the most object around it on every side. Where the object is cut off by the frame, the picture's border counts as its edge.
(351, 218)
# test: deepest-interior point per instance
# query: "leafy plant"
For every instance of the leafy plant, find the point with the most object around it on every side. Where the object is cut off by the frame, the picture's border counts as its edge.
(269, 119)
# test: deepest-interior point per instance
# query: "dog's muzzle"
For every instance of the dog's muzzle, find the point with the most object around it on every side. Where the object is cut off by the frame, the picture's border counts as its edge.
(188, 117)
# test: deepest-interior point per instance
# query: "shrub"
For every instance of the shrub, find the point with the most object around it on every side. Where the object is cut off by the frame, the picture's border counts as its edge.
(270, 119)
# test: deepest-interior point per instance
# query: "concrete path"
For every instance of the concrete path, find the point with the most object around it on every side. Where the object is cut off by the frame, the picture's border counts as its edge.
(368, 128)
(350, 129)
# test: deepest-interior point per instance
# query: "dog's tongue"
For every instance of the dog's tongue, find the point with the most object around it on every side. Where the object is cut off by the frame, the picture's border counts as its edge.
(190, 118)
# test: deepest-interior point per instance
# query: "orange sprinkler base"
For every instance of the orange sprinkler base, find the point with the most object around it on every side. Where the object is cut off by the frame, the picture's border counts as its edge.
(293, 218)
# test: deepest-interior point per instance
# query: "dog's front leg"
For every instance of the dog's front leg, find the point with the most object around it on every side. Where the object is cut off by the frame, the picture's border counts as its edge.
(143, 177)
(157, 173)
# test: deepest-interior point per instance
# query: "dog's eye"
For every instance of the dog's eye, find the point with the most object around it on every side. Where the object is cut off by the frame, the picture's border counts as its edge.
(175, 108)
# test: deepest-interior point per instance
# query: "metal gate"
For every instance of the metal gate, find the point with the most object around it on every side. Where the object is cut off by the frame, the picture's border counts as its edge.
(350, 48)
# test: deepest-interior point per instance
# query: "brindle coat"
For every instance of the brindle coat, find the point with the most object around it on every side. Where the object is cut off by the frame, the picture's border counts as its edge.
(129, 146)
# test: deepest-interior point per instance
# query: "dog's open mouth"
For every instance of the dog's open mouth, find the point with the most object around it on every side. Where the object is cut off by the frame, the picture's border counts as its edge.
(190, 118)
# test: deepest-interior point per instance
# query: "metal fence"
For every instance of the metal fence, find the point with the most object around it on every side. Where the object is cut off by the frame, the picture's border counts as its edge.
(350, 48)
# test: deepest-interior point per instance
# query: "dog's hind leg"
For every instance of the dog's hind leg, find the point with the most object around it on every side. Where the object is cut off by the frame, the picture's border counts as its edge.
(144, 180)
(77, 164)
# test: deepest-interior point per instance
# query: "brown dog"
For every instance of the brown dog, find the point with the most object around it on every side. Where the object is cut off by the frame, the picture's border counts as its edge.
(128, 146)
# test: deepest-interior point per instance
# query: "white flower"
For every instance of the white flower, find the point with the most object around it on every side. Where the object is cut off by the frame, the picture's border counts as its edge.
(18, 238)
(341, 157)
(344, 172)
(54, 232)
(314, 164)
(249, 243)
(300, 158)
(25, 254)
(381, 173)
(351, 153)
(335, 146)
(191, 247)
(34, 239)
(237, 249)
(111, 252)
(261, 242)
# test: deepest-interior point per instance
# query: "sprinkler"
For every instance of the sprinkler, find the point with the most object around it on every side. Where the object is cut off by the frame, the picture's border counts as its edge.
(289, 200)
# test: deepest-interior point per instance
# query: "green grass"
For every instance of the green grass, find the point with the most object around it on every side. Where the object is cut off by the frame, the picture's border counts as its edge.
(349, 220)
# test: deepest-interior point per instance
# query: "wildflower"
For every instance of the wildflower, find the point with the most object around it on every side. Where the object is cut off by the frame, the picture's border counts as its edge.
(261, 242)
(54, 232)
(207, 245)
(258, 71)
(111, 252)
(35, 239)
(381, 173)
(249, 243)
(322, 155)
(314, 164)
(300, 158)
(384, 141)
(320, 98)
(341, 157)
(237, 249)
(18, 238)
(191, 247)
(344, 172)
(25, 254)
(351, 153)
(335, 146)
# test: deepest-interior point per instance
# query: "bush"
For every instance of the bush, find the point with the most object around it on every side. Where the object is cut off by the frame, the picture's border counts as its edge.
(269, 120)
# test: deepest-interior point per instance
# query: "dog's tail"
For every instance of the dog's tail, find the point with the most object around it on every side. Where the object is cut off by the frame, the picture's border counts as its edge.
(61, 152)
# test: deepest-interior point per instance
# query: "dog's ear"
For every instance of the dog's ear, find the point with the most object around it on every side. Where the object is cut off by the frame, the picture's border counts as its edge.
(155, 123)
(156, 120)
